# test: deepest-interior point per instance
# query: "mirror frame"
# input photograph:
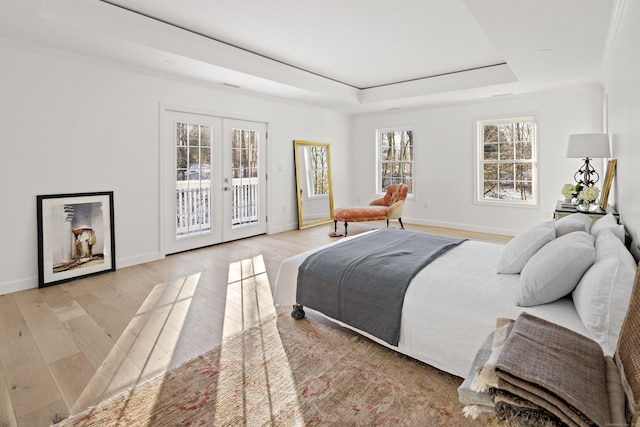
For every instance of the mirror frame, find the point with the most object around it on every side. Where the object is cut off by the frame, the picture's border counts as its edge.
(297, 144)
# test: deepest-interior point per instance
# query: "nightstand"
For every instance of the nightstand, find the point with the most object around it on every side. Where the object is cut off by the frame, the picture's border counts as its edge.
(595, 215)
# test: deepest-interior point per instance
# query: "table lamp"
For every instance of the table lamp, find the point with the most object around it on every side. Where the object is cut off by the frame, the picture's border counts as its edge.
(588, 146)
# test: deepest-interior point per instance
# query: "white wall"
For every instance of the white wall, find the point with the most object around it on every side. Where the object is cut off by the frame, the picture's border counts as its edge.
(62, 113)
(444, 144)
(622, 89)
(71, 124)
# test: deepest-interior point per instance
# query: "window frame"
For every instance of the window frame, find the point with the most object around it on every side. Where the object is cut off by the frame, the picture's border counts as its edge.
(480, 162)
(378, 183)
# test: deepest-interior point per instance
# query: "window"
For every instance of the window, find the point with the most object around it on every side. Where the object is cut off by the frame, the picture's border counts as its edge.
(507, 161)
(395, 158)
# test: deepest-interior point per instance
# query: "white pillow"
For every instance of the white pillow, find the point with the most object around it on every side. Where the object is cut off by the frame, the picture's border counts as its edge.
(608, 222)
(574, 222)
(602, 296)
(555, 270)
(517, 252)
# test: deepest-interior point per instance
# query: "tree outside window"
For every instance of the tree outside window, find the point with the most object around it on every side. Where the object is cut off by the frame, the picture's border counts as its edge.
(395, 158)
(317, 159)
(507, 160)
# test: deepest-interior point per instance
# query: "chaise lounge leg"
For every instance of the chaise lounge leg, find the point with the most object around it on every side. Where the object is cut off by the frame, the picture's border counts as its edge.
(401, 224)
(345, 229)
(335, 226)
(387, 222)
(298, 312)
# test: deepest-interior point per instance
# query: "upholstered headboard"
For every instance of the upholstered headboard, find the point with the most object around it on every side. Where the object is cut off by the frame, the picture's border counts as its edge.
(635, 251)
(628, 354)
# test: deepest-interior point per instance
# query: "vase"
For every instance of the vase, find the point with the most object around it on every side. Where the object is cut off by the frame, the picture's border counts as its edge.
(587, 206)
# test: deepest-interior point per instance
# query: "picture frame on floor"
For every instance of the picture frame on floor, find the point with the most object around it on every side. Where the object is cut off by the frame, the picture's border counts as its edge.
(76, 236)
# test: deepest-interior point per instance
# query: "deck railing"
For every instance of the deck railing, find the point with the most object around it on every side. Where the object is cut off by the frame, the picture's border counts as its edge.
(193, 205)
(244, 200)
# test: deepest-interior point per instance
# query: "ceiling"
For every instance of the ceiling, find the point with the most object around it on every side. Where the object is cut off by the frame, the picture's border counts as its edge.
(349, 55)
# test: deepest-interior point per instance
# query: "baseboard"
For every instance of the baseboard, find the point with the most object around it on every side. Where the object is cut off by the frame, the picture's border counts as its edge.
(283, 228)
(458, 226)
(32, 282)
(18, 285)
(138, 259)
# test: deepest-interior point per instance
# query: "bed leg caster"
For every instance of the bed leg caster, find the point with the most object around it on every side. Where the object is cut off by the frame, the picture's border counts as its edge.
(298, 312)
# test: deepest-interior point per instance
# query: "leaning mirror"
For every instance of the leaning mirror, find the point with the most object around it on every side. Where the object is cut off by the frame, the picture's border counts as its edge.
(313, 183)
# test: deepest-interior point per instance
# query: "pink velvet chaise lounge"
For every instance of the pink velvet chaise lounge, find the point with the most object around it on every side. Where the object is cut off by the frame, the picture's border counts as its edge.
(385, 208)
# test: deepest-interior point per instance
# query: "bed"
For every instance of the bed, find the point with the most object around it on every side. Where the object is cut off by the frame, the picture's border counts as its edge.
(451, 305)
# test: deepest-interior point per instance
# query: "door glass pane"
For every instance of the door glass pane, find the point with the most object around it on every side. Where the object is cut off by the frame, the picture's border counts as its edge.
(193, 179)
(244, 183)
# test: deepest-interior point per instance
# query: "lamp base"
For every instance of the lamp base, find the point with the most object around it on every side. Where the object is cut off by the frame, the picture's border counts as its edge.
(586, 173)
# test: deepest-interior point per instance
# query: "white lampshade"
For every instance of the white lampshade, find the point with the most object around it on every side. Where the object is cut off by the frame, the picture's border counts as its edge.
(589, 145)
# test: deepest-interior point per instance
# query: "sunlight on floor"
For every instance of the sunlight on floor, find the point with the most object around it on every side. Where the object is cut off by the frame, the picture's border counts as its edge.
(145, 348)
(166, 320)
(262, 387)
(249, 300)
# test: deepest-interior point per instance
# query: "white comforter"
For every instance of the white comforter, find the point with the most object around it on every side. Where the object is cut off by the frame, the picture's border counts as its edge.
(451, 306)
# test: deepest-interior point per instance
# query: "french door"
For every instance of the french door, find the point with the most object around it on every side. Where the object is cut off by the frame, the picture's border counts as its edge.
(214, 180)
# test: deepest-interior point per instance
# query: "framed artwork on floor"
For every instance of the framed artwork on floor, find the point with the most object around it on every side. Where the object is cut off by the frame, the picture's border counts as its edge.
(75, 236)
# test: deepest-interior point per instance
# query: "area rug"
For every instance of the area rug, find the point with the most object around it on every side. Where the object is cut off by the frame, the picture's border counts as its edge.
(290, 373)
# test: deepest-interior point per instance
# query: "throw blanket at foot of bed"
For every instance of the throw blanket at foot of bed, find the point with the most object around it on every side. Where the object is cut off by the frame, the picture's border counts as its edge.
(547, 372)
(362, 282)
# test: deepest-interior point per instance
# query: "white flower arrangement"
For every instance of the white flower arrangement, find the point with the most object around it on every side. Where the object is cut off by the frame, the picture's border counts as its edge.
(589, 194)
(568, 190)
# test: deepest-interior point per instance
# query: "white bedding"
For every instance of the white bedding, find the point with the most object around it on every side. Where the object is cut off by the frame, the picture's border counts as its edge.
(451, 306)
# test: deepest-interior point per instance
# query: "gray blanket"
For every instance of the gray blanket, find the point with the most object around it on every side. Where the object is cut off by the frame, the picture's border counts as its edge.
(362, 282)
(556, 369)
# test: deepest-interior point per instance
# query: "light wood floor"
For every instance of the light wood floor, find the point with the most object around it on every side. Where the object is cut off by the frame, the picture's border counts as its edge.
(68, 347)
